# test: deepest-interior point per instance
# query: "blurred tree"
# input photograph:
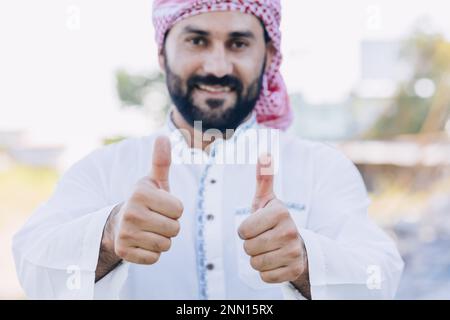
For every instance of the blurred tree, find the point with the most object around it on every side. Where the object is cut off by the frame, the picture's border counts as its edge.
(144, 91)
(112, 140)
(422, 102)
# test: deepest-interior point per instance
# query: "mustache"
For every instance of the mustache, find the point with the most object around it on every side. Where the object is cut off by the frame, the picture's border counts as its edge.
(227, 81)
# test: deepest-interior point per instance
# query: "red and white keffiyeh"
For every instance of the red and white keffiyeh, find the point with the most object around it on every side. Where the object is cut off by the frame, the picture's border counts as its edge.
(273, 108)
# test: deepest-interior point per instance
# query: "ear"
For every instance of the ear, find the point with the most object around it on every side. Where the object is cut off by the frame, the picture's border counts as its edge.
(271, 52)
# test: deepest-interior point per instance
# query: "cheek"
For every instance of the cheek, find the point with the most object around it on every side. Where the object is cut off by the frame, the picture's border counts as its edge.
(183, 63)
(249, 70)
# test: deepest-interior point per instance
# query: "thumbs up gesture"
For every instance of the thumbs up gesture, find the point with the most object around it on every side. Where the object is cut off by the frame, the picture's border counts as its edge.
(270, 235)
(148, 220)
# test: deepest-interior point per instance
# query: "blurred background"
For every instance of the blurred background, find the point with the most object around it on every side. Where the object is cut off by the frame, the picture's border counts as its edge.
(371, 77)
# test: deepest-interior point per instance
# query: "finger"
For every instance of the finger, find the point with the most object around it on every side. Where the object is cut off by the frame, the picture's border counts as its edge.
(161, 161)
(158, 200)
(271, 240)
(263, 243)
(279, 275)
(276, 259)
(151, 241)
(264, 182)
(268, 261)
(262, 220)
(150, 221)
(162, 225)
(140, 256)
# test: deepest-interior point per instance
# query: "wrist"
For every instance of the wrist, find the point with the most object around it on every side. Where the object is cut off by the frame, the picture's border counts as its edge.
(108, 238)
(302, 283)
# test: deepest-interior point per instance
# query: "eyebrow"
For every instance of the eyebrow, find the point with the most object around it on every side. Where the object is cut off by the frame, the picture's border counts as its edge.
(190, 29)
(234, 34)
(242, 34)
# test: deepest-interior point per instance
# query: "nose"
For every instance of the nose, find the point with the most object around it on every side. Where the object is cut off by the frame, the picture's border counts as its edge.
(217, 62)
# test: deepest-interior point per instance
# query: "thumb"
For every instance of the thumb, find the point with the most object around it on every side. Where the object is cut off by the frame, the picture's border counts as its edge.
(161, 161)
(264, 182)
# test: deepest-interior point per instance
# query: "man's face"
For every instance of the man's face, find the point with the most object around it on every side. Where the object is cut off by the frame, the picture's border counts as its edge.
(214, 64)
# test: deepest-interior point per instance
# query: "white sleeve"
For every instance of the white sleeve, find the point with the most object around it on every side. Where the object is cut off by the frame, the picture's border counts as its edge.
(290, 292)
(349, 257)
(110, 286)
(57, 250)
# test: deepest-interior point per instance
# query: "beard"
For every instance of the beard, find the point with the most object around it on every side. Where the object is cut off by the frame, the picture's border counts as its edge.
(215, 115)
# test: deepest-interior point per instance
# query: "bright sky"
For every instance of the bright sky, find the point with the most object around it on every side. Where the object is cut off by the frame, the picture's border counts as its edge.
(58, 83)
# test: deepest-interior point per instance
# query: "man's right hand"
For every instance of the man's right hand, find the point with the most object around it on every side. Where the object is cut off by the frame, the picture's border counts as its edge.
(144, 225)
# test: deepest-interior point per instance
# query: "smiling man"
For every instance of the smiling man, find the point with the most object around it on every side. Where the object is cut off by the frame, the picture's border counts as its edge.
(174, 216)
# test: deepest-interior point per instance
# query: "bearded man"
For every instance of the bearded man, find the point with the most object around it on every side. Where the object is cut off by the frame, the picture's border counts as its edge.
(219, 204)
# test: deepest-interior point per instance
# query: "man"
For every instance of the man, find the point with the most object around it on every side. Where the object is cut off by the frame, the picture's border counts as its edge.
(174, 216)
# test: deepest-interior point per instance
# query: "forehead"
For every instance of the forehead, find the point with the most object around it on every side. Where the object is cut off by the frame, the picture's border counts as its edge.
(221, 23)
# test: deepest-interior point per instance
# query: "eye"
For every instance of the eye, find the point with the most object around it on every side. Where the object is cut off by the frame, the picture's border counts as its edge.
(197, 41)
(238, 44)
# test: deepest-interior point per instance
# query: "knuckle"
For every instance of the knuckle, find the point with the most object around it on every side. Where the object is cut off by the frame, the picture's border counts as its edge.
(255, 264)
(243, 232)
(125, 235)
(267, 277)
(283, 213)
(139, 194)
(179, 209)
(121, 252)
(154, 257)
(290, 233)
(177, 228)
(265, 259)
(164, 244)
(131, 217)
(174, 228)
(149, 258)
(248, 247)
(264, 240)
(146, 259)
(157, 246)
(294, 252)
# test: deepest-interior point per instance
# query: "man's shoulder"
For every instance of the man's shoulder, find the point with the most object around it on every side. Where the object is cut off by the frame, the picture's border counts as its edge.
(326, 160)
(295, 143)
(124, 146)
(128, 150)
(130, 144)
(320, 153)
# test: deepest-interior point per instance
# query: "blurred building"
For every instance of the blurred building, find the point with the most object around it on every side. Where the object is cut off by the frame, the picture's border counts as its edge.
(382, 69)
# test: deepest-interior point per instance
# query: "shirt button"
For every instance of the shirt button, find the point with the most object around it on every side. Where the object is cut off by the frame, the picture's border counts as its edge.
(210, 266)
(212, 181)
(210, 217)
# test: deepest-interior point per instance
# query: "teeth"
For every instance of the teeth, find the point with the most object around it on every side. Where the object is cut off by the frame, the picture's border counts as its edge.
(214, 89)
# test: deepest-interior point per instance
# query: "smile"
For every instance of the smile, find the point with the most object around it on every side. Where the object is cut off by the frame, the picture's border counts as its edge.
(214, 89)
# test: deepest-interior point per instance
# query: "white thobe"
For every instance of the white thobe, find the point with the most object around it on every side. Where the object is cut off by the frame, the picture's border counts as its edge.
(57, 250)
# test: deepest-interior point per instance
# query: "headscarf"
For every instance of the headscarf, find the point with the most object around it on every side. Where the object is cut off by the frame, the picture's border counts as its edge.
(272, 108)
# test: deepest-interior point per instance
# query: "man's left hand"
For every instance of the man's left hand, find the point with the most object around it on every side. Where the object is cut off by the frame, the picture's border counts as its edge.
(270, 235)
